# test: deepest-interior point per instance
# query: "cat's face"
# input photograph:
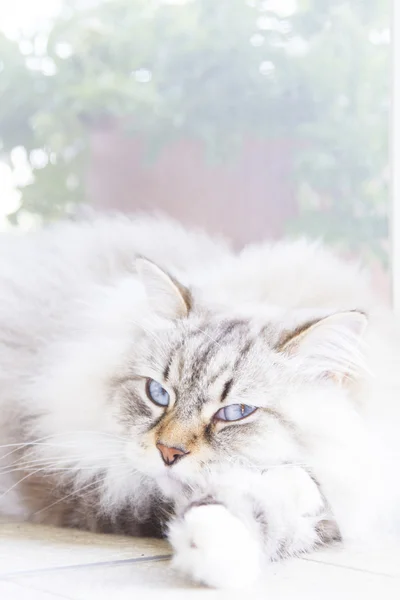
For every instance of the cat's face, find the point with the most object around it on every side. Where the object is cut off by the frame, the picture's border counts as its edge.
(203, 390)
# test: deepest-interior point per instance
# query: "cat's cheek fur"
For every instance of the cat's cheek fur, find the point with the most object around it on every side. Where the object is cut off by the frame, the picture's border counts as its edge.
(215, 548)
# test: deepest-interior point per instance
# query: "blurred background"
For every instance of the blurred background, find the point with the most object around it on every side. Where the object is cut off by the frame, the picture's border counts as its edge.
(250, 118)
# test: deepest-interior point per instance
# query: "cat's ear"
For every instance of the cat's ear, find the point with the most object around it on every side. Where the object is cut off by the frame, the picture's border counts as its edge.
(329, 346)
(167, 297)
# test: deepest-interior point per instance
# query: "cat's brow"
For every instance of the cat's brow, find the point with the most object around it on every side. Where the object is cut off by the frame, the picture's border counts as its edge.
(125, 379)
(213, 378)
(168, 366)
(229, 328)
(243, 353)
(170, 359)
(226, 390)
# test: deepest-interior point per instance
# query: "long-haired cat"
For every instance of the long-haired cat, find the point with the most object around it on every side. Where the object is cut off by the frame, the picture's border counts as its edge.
(154, 382)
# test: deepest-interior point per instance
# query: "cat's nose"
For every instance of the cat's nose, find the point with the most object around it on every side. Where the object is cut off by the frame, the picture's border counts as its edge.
(170, 455)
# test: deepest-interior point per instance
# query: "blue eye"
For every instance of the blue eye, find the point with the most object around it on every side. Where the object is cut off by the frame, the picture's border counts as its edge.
(234, 412)
(156, 393)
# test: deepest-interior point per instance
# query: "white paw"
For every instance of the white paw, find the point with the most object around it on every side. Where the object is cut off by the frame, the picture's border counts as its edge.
(294, 507)
(295, 487)
(213, 547)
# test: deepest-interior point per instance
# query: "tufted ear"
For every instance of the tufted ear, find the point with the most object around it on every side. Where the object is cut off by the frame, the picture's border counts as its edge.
(167, 297)
(329, 346)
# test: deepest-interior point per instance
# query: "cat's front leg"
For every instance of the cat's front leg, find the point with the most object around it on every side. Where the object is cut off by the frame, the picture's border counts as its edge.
(226, 538)
(291, 512)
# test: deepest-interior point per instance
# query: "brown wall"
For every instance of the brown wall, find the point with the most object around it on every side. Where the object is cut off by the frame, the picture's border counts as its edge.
(247, 199)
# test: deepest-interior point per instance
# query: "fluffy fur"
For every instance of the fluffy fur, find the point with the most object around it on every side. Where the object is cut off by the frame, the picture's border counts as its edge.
(89, 311)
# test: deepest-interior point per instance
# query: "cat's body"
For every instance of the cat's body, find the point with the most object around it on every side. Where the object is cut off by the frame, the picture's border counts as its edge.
(84, 328)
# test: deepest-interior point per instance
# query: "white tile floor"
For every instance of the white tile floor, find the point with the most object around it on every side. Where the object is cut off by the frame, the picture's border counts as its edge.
(40, 563)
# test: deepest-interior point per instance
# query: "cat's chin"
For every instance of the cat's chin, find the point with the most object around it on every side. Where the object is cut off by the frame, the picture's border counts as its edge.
(165, 477)
(177, 482)
(170, 484)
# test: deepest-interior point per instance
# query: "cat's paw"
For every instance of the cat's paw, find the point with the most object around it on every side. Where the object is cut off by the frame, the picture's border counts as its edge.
(295, 513)
(213, 547)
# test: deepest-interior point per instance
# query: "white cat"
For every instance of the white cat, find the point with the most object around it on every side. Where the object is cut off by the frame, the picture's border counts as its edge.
(152, 381)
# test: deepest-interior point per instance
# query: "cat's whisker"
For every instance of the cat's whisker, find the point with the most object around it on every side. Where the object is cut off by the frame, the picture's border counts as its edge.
(39, 441)
(241, 462)
(17, 483)
(97, 482)
(21, 446)
(74, 463)
(152, 334)
(37, 457)
(117, 451)
(208, 336)
(49, 471)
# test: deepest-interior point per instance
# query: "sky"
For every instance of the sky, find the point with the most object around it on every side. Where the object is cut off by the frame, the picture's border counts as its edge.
(29, 16)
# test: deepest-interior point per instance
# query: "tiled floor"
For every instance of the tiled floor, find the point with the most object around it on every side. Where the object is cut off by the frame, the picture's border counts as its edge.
(39, 563)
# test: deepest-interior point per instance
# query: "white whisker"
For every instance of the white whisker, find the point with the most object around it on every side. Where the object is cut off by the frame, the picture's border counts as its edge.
(97, 482)
(19, 482)
(40, 442)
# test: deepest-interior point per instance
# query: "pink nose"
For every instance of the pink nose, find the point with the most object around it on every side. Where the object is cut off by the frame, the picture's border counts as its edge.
(170, 455)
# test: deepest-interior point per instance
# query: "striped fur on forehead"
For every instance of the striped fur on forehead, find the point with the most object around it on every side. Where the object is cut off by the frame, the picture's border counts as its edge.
(220, 359)
(204, 351)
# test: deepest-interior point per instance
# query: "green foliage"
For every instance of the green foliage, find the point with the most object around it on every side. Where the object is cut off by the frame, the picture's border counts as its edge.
(219, 71)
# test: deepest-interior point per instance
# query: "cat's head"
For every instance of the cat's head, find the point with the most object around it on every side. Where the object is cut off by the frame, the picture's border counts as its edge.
(207, 386)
